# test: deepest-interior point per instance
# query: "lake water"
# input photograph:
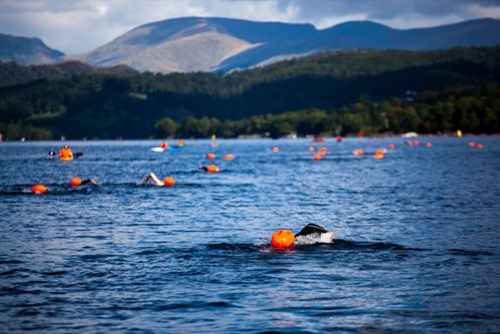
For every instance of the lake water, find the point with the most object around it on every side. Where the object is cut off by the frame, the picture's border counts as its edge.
(416, 245)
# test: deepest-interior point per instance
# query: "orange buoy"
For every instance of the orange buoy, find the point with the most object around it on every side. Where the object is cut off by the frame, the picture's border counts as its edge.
(479, 146)
(282, 239)
(358, 152)
(428, 144)
(339, 139)
(210, 156)
(214, 144)
(39, 189)
(379, 154)
(65, 154)
(317, 156)
(275, 149)
(212, 169)
(392, 146)
(228, 157)
(180, 142)
(416, 142)
(409, 143)
(311, 148)
(164, 145)
(323, 150)
(75, 182)
(472, 144)
(169, 181)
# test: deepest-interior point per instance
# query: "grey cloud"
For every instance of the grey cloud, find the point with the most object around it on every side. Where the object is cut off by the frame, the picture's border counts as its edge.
(387, 9)
(75, 26)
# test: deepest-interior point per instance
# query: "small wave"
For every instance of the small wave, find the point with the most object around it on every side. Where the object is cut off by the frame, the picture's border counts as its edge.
(234, 247)
(335, 244)
(340, 244)
(10, 262)
(463, 252)
(54, 273)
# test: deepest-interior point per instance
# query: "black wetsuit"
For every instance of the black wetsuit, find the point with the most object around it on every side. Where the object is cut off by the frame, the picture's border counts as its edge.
(311, 229)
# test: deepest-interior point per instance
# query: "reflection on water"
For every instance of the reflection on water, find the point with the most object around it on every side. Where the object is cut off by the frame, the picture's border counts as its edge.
(416, 246)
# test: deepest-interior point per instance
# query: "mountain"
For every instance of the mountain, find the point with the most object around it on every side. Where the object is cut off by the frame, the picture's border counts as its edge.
(193, 44)
(27, 51)
(218, 44)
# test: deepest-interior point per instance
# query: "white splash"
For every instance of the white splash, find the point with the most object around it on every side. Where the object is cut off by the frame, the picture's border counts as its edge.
(315, 238)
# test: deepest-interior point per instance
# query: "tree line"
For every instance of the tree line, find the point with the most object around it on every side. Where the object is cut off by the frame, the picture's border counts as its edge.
(331, 93)
(474, 109)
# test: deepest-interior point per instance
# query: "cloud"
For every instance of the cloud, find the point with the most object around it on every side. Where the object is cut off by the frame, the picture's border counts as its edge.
(77, 26)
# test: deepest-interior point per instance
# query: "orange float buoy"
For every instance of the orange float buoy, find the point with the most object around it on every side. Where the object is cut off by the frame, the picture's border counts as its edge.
(379, 154)
(472, 144)
(75, 182)
(479, 146)
(416, 142)
(339, 139)
(169, 181)
(317, 156)
(212, 169)
(428, 144)
(311, 148)
(275, 149)
(358, 152)
(392, 146)
(65, 154)
(210, 156)
(409, 143)
(228, 157)
(323, 150)
(39, 189)
(164, 145)
(282, 239)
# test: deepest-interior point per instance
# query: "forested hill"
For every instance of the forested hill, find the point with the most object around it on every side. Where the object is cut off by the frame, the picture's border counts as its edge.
(355, 89)
(13, 74)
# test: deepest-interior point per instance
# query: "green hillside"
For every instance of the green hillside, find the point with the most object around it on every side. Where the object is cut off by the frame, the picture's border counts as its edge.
(331, 93)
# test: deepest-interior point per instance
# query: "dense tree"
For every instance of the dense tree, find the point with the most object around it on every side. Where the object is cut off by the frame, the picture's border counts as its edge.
(328, 94)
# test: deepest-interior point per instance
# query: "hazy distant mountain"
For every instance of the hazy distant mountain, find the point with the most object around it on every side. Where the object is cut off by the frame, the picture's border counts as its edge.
(209, 44)
(218, 44)
(27, 51)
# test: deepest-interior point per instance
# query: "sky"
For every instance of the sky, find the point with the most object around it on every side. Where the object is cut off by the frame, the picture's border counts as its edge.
(78, 26)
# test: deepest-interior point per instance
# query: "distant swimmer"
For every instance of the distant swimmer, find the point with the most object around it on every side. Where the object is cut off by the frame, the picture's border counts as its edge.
(65, 154)
(310, 234)
(76, 182)
(168, 181)
(210, 168)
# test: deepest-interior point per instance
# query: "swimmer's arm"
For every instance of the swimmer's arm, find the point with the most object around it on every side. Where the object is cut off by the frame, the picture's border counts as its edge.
(153, 177)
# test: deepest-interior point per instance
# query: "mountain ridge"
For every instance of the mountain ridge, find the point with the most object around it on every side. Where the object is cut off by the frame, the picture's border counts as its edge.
(209, 44)
(27, 50)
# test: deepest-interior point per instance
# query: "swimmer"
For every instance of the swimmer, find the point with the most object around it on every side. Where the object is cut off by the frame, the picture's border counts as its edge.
(210, 168)
(65, 153)
(168, 181)
(314, 232)
(76, 182)
(89, 181)
(310, 234)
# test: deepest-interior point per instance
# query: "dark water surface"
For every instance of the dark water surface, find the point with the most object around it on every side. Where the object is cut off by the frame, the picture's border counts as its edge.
(416, 250)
